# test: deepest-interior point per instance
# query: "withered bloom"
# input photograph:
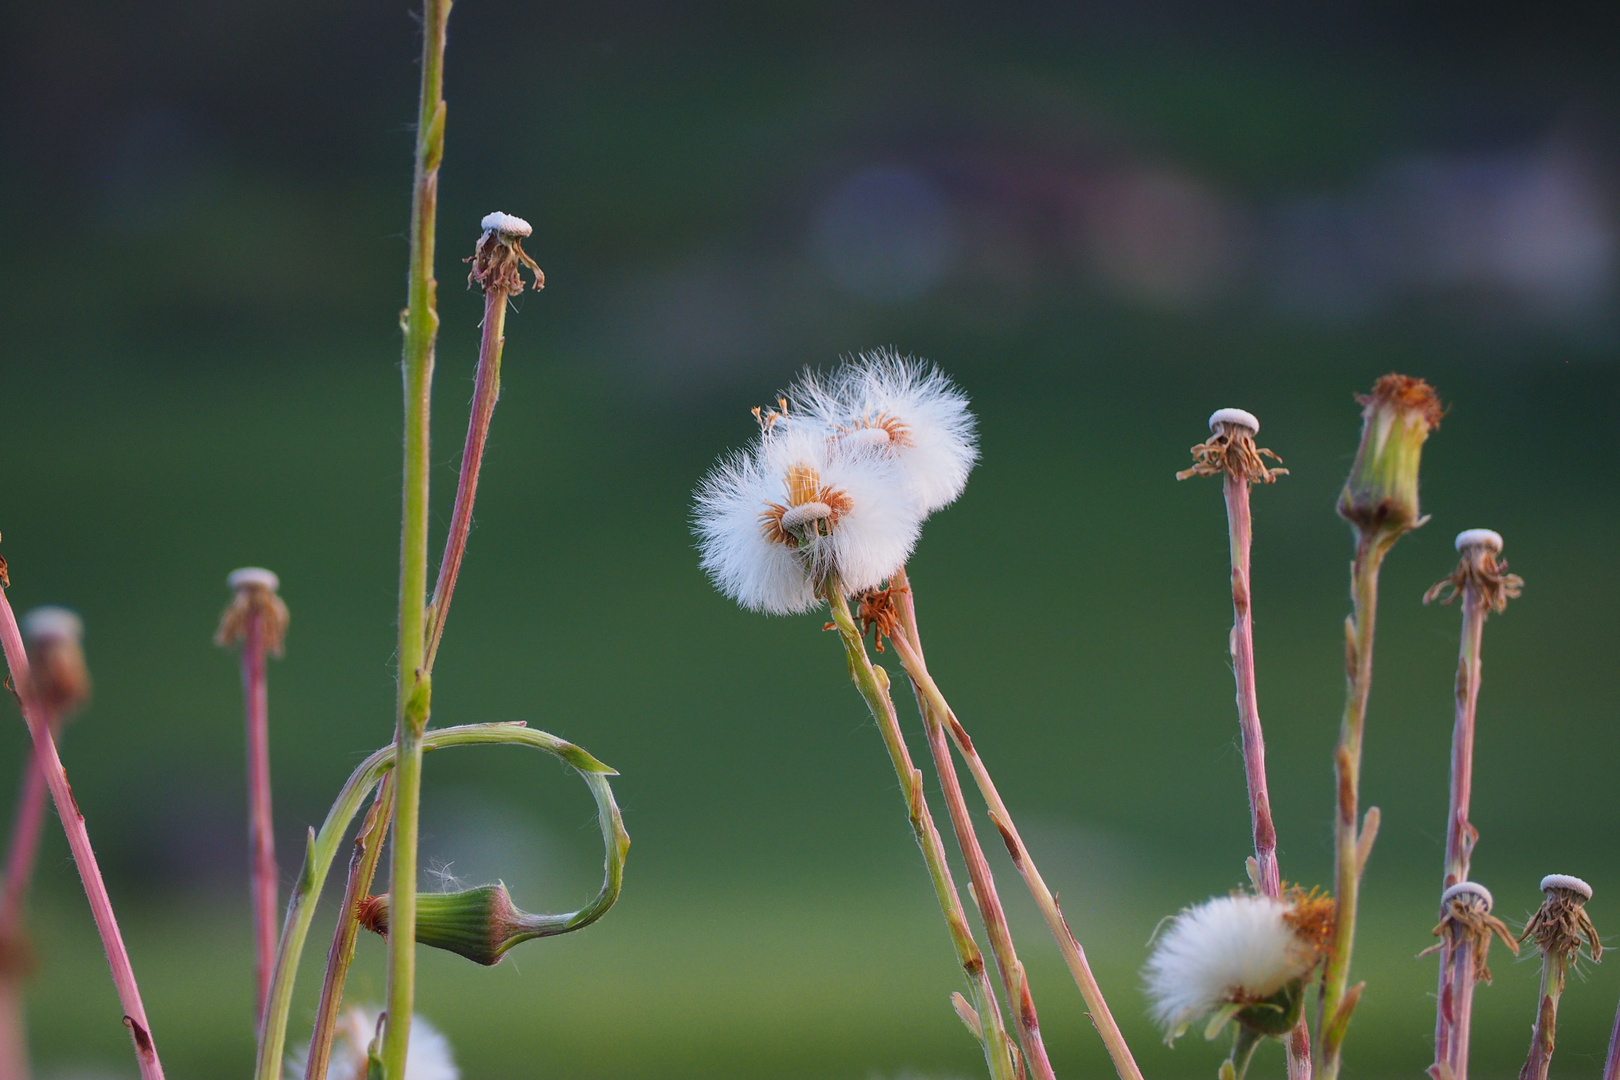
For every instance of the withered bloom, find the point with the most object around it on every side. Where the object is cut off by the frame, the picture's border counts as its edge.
(1381, 494)
(1479, 567)
(255, 589)
(60, 681)
(499, 257)
(1231, 449)
(1465, 916)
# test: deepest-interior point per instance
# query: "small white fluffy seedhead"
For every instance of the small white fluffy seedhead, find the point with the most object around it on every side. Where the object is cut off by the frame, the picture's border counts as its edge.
(773, 521)
(52, 624)
(249, 577)
(427, 1058)
(1485, 538)
(506, 224)
(907, 409)
(1473, 891)
(1240, 417)
(1566, 883)
(1232, 949)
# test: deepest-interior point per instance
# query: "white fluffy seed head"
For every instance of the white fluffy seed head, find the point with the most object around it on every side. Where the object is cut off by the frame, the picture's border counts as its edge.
(905, 407)
(253, 577)
(506, 224)
(1473, 890)
(1226, 950)
(1566, 883)
(52, 624)
(847, 512)
(1486, 538)
(1241, 417)
(427, 1058)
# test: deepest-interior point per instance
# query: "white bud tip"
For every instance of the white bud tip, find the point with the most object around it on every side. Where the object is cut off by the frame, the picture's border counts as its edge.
(1240, 417)
(250, 576)
(52, 624)
(505, 224)
(1489, 538)
(1566, 883)
(1466, 888)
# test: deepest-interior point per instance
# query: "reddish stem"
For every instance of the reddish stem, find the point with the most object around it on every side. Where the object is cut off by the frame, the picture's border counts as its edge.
(84, 856)
(264, 875)
(26, 829)
(1611, 1067)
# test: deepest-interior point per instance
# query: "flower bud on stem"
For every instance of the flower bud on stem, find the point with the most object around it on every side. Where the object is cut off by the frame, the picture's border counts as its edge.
(907, 644)
(84, 857)
(1559, 928)
(257, 620)
(874, 689)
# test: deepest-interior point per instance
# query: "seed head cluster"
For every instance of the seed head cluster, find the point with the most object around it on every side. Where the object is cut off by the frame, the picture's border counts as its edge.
(837, 484)
(428, 1057)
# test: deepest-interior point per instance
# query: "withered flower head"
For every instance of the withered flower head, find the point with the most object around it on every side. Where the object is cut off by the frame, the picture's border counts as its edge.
(1231, 449)
(1381, 494)
(499, 256)
(58, 677)
(1561, 925)
(1465, 916)
(1480, 569)
(255, 597)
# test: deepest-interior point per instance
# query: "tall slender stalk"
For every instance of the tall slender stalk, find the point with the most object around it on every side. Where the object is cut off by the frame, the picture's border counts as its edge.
(1611, 1064)
(21, 855)
(414, 697)
(1559, 928)
(873, 685)
(84, 857)
(1073, 954)
(261, 825)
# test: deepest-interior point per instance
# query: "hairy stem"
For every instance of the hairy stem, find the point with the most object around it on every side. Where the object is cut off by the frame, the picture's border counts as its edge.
(1338, 998)
(84, 857)
(874, 688)
(263, 873)
(1543, 1034)
(413, 697)
(1073, 954)
(362, 868)
(486, 390)
(1454, 1009)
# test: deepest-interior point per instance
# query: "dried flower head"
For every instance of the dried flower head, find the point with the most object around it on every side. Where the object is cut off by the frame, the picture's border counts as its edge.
(1381, 494)
(58, 677)
(499, 256)
(1231, 449)
(1243, 957)
(902, 407)
(255, 597)
(1465, 916)
(776, 521)
(427, 1058)
(1561, 925)
(1479, 567)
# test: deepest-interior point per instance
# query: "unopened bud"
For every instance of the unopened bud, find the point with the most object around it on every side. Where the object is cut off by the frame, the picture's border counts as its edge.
(480, 923)
(255, 598)
(58, 677)
(1381, 494)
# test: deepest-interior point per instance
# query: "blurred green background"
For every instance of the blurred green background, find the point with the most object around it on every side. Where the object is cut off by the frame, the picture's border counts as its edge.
(1104, 219)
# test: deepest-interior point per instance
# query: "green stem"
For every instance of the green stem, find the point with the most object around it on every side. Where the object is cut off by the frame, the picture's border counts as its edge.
(873, 685)
(1543, 1034)
(1350, 843)
(413, 698)
(322, 849)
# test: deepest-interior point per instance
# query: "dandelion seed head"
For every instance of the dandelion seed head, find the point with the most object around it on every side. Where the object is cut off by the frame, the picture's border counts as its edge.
(428, 1056)
(1485, 538)
(1240, 417)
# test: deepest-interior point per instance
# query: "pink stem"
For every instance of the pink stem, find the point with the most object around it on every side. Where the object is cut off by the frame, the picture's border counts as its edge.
(1456, 1005)
(486, 390)
(25, 836)
(84, 857)
(1611, 1067)
(263, 872)
(1268, 875)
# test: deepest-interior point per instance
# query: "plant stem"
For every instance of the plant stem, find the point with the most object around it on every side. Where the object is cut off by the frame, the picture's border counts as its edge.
(414, 688)
(322, 849)
(1350, 847)
(362, 868)
(1611, 1066)
(261, 825)
(1073, 954)
(486, 390)
(1542, 1036)
(1268, 875)
(84, 857)
(874, 689)
(21, 856)
(1454, 1009)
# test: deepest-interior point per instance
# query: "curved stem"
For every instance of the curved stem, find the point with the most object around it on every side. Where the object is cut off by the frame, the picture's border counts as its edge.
(1073, 954)
(322, 849)
(874, 688)
(84, 856)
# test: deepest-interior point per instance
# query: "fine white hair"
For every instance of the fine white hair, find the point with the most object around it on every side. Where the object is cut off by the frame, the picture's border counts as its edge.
(939, 445)
(871, 538)
(427, 1058)
(1229, 949)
